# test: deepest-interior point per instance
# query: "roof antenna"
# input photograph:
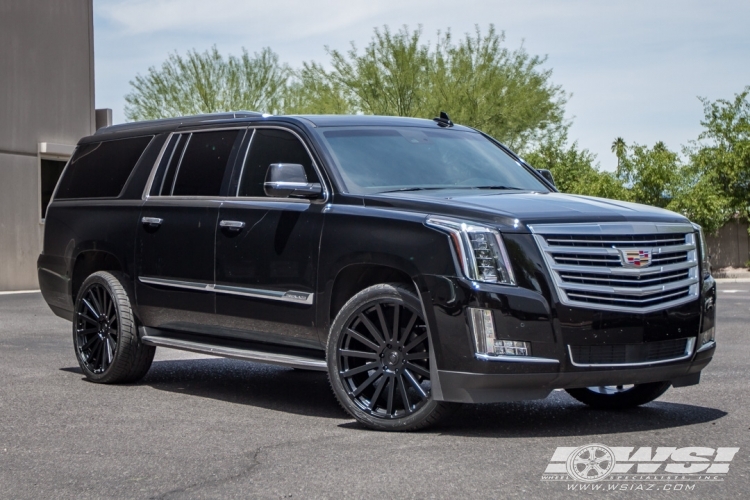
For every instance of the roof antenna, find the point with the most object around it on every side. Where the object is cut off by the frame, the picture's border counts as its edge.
(443, 120)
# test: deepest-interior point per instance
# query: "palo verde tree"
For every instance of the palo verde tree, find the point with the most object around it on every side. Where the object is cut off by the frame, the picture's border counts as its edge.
(208, 83)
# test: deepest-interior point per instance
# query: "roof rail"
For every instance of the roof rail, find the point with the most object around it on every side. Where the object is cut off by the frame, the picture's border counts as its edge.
(177, 121)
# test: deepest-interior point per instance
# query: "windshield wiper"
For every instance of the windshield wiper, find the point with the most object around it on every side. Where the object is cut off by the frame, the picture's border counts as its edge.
(496, 187)
(415, 188)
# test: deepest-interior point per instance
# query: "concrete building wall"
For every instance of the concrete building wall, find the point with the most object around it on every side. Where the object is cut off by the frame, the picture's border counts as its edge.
(46, 96)
(730, 246)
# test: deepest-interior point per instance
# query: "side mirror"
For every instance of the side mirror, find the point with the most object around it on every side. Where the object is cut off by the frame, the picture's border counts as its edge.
(547, 175)
(285, 180)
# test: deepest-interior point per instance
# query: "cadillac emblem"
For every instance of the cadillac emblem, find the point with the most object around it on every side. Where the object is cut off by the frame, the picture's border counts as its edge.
(635, 257)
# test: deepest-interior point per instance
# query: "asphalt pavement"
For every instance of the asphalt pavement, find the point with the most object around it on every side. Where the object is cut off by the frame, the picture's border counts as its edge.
(202, 427)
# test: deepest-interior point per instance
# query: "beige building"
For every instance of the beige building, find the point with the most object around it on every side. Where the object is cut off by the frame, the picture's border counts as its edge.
(46, 105)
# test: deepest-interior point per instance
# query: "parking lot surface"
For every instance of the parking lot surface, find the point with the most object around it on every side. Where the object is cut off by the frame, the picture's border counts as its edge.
(201, 427)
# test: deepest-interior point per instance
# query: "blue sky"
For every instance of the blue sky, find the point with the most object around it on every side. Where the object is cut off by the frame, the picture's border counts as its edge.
(634, 68)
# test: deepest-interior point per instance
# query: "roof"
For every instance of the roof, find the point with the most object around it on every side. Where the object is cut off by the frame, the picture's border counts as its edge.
(171, 124)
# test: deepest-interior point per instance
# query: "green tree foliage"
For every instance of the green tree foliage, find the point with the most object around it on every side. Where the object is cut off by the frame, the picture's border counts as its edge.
(477, 80)
(651, 175)
(575, 170)
(208, 83)
(721, 158)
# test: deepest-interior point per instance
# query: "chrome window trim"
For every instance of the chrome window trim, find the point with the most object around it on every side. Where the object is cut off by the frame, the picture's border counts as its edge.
(293, 296)
(568, 291)
(515, 359)
(689, 346)
(155, 167)
(179, 164)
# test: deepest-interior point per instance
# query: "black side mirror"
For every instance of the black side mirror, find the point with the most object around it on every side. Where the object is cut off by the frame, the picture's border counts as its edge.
(285, 180)
(547, 175)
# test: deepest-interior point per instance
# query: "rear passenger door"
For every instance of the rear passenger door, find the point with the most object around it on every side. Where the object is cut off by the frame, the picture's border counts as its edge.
(267, 248)
(175, 240)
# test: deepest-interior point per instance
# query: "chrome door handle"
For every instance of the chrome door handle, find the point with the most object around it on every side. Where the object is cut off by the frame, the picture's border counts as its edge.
(152, 221)
(235, 225)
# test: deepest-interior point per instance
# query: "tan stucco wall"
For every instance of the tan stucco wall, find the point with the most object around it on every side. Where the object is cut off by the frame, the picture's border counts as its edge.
(46, 95)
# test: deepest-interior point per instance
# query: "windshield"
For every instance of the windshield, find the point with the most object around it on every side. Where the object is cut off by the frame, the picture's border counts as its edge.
(383, 159)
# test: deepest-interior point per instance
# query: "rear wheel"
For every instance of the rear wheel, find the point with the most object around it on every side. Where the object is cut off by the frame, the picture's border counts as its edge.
(105, 335)
(619, 397)
(378, 357)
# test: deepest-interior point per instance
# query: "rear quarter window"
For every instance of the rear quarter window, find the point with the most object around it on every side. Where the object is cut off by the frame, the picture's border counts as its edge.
(100, 169)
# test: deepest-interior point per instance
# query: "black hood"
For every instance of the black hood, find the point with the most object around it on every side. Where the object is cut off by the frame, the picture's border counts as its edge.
(528, 207)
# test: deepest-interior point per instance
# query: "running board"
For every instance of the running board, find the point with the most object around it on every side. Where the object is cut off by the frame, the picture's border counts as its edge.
(236, 353)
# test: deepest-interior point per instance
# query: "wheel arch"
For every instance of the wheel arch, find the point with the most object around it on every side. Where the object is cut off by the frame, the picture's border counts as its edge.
(89, 262)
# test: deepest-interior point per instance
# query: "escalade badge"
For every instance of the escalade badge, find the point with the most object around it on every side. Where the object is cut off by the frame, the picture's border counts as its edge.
(633, 257)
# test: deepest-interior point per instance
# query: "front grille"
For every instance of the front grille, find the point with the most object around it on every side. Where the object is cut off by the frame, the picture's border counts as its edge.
(638, 267)
(620, 354)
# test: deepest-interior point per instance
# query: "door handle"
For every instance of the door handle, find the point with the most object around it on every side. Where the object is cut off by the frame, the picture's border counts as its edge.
(233, 225)
(152, 221)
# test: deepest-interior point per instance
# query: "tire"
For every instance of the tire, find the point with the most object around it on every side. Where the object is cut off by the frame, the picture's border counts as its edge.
(381, 379)
(105, 333)
(619, 397)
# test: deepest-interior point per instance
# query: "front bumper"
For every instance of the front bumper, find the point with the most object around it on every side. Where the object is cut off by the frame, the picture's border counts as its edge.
(535, 316)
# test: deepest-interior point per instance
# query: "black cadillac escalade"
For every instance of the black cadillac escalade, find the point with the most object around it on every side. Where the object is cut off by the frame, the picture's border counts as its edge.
(418, 262)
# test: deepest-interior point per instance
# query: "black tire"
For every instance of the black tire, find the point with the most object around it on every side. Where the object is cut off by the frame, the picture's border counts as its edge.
(382, 379)
(619, 397)
(105, 333)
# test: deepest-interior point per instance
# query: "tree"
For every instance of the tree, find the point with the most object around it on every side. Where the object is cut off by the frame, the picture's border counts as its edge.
(575, 170)
(721, 157)
(477, 81)
(651, 175)
(618, 148)
(208, 83)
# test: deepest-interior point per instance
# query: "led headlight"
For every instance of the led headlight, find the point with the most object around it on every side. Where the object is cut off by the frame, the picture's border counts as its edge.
(703, 247)
(480, 250)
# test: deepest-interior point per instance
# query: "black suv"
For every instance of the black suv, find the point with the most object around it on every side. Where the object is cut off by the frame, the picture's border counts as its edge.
(418, 262)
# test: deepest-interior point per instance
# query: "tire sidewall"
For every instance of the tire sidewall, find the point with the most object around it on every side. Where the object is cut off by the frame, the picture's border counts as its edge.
(123, 311)
(354, 306)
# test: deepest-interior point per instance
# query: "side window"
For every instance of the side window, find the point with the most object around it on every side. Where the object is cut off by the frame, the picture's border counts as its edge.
(272, 146)
(100, 169)
(204, 163)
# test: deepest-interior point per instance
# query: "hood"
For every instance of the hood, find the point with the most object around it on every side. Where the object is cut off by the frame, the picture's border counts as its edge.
(528, 207)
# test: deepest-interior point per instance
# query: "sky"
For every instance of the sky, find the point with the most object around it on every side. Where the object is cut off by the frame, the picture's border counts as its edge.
(634, 69)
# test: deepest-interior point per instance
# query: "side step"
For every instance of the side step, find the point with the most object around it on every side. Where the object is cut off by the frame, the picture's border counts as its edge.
(237, 353)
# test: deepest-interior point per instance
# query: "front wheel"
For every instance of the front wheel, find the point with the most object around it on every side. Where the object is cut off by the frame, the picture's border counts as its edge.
(619, 397)
(378, 357)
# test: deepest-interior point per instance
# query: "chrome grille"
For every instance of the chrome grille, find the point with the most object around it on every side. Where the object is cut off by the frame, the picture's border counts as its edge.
(636, 267)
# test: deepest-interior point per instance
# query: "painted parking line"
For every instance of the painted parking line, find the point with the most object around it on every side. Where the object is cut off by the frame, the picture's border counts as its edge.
(16, 292)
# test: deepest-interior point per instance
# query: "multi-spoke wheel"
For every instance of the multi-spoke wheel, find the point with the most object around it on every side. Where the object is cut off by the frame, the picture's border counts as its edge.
(104, 332)
(379, 360)
(619, 397)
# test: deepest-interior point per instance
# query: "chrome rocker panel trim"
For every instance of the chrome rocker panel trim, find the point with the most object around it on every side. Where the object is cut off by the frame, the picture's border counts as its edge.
(293, 296)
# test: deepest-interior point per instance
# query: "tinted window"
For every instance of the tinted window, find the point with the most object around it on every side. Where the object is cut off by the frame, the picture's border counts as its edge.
(100, 170)
(272, 146)
(204, 163)
(387, 159)
(164, 178)
(51, 171)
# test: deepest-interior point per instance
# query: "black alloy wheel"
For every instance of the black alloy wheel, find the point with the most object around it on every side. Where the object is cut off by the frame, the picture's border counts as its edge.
(379, 360)
(97, 329)
(104, 332)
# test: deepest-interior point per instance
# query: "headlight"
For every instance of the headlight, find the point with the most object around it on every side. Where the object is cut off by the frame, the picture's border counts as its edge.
(480, 250)
(705, 264)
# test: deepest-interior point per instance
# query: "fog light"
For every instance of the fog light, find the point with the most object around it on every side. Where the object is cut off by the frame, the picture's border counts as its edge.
(706, 339)
(512, 348)
(483, 328)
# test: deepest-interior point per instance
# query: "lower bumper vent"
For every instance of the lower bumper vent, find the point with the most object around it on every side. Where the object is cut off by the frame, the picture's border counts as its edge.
(629, 354)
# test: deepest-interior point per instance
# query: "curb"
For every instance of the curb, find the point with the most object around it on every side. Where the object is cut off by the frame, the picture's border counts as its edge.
(732, 280)
(16, 292)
